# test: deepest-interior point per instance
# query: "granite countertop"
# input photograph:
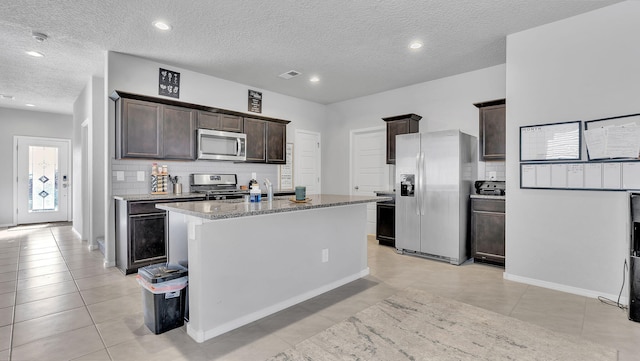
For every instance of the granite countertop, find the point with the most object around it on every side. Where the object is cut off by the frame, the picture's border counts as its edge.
(153, 197)
(484, 196)
(238, 208)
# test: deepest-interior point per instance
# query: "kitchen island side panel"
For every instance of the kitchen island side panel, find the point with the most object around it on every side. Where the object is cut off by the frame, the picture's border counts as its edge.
(243, 269)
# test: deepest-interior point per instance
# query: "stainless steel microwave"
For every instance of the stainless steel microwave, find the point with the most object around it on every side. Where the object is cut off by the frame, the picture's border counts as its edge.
(219, 145)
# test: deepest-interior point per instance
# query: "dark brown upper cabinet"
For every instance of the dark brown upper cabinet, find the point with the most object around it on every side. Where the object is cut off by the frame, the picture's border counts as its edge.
(401, 124)
(159, 128)
(492, 129)
(178, 133)
(266, 141)
(256, 131)
(219, 121)
(138, 129)
(276, 142)
(157, 131)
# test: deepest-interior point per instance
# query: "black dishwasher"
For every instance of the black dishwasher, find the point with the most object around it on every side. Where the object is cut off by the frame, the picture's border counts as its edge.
(386, 220)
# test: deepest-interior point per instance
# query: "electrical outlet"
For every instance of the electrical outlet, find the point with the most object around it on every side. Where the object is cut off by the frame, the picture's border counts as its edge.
(325, 255)
(140, 176)
(492, 175)
(120, 176)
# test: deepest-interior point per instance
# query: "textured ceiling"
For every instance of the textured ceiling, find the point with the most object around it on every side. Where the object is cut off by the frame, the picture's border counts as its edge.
(356, 47)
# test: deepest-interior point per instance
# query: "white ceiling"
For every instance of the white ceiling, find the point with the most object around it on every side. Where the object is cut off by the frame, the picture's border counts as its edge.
(356, 47)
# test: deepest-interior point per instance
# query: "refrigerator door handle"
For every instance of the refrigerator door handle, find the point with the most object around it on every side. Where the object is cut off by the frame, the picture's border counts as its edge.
(423, 185)
(418, 184)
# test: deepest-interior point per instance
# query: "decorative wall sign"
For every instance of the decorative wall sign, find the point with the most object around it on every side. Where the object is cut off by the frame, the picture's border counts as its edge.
(169, 83)
(255, 101)
(285, 171)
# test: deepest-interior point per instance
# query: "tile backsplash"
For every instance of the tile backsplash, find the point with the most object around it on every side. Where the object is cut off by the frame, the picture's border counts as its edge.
(495, 170)
(132, 176)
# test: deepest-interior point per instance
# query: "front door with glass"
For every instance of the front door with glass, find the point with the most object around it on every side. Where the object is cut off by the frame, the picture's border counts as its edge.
(43, 180)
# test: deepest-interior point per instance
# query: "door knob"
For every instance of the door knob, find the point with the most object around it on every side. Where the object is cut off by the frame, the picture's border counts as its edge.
(356, 187)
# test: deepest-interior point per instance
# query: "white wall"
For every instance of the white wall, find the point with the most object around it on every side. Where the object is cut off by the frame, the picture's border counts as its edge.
(26, 123)
(81, 112)
(445, 103)
(140, 76)
(88, 204)
(582, 68)
(97, 156)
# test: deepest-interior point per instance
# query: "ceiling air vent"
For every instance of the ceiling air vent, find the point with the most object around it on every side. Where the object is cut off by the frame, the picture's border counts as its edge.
(290, 74)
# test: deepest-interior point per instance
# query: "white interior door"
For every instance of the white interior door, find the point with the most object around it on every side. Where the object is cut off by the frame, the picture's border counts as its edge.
(42, 180)
(307, 161)
(369, 171)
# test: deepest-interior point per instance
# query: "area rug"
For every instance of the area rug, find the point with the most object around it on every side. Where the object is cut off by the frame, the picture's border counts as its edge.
(415, 325)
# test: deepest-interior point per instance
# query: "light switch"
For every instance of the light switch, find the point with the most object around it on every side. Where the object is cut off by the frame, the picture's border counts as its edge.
(120, 175)
(140, 176)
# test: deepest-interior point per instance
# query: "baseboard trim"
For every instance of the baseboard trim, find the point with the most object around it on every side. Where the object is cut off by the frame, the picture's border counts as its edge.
(203, 335)
(106, 263)
(74, 230)
(564, 288)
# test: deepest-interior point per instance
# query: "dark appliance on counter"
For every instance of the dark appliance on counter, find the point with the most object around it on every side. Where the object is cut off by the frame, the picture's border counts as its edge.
(216, 186)
(490, 187)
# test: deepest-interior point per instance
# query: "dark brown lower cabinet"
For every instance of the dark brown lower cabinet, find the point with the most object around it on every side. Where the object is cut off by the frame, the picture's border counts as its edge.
(141, 234)
(386, 223)
(487, 230)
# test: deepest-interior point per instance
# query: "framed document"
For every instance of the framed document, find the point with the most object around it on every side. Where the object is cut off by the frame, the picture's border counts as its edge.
(558, 141)
(613, 138)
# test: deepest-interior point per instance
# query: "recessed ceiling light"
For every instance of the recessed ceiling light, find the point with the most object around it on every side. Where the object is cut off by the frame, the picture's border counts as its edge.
(35, 54)
(415, 45)
(30, 105)
(314, 79)
(162, 25)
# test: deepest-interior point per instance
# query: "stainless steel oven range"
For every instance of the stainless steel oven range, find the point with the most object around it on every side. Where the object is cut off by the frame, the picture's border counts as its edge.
(216, 186)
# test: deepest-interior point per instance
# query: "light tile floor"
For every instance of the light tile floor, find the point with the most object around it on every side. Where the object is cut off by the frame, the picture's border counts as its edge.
(57, 302)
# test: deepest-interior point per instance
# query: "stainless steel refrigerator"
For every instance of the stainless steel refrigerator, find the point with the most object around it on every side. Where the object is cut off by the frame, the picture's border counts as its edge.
(434, 178)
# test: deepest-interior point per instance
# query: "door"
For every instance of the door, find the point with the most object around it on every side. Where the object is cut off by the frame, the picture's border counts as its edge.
(307, 161)
(43, 180)
(369, 171)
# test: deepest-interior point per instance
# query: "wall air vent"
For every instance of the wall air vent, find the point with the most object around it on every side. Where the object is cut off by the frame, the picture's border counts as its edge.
(290, 74)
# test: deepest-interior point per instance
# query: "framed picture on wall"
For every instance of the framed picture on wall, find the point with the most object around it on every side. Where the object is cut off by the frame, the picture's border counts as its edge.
(169, 83)
(556, 141)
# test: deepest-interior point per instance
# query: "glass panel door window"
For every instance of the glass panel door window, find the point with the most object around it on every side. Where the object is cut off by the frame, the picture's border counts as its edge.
(43, 179)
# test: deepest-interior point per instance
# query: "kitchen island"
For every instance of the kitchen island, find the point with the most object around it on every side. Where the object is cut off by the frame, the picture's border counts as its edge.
(249, 260)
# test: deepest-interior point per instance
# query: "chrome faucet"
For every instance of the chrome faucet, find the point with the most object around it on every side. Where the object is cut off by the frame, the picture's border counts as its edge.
(269, 187)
